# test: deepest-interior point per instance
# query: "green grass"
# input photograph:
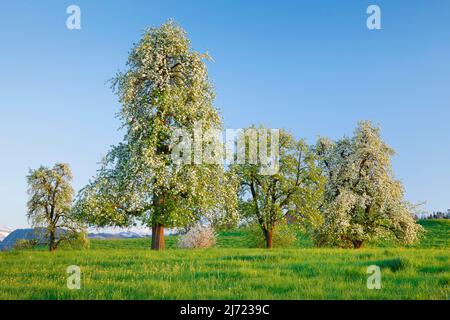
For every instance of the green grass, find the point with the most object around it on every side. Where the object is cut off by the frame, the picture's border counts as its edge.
(127, 269)
(437, 235)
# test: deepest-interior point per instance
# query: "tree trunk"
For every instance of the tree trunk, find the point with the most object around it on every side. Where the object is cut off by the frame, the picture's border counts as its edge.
(158, 242)
(52, 241)
(269, 238)
(153, 234)
(357, 244)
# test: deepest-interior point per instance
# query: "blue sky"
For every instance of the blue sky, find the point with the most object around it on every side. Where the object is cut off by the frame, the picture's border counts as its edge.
(309, 66)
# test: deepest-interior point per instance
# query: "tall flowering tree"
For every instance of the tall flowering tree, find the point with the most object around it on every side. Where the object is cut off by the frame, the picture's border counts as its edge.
(164, 89)
(363, 200)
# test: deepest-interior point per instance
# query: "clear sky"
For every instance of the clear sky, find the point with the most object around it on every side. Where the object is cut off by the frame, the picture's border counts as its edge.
(309, 66)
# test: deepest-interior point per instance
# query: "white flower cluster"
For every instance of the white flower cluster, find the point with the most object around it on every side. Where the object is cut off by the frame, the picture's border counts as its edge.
(197, 237)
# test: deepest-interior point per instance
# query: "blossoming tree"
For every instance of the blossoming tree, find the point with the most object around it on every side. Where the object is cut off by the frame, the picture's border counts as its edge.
(50, 203)
(165, 88)
(363, 200)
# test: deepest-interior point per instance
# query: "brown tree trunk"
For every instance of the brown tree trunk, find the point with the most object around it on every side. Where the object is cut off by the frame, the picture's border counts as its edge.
(158, 242)
(153, 234)
(357, 244)
(52, 241)
(269, 238)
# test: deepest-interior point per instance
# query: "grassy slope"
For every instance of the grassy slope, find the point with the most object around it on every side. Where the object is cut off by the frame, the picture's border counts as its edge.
(127, 269)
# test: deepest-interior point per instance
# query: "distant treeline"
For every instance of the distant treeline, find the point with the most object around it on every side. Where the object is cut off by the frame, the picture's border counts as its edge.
(437, 215)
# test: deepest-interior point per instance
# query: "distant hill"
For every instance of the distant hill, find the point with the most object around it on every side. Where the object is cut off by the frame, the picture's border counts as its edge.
(25, 234)
(120, 235)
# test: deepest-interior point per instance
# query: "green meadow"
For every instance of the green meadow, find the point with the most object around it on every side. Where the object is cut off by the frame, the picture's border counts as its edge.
(128, 269)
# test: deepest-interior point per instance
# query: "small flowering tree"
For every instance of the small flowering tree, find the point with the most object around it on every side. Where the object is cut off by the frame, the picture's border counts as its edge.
(197, 237)
(164, 89)
(50, 203)
(363, 200)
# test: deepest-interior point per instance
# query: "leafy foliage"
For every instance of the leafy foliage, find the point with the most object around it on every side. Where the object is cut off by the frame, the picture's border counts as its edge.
(76, 241)
(25, 244)
(284, 236)
(295, 190)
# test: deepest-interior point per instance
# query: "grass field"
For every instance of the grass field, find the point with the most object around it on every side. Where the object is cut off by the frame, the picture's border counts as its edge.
(127, 269)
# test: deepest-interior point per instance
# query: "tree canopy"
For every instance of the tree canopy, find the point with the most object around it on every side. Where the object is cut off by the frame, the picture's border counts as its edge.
(295, 188)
